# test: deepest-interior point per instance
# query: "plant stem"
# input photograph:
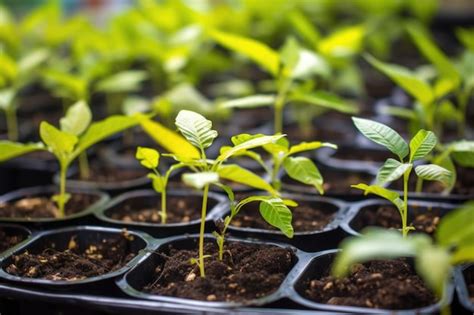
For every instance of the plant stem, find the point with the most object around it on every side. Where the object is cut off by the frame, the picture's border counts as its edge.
(202, 230)
(276, 167)
(163, 206)
(419, 185)
(12, 123)
(84, 171)
(279, 105)
(406, 176)
(62, 189)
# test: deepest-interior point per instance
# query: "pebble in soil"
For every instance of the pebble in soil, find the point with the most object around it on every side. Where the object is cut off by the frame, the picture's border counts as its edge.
(247, 272)
(384, 284)
(44, 207)
(74, 263)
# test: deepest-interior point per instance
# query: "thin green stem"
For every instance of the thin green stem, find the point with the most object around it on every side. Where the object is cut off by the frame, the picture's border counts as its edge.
(12, 123)
(280, 105)
(276, 168)
(163, 205)
(419, 185)
(62, 189)
(84, 170)
(202, 230)
(406, 176)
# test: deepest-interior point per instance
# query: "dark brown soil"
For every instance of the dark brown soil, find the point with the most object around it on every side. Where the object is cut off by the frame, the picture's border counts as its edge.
(306, 217)
(74, 263)
(8, 240)
(247, 272)
(109, 174)
(179, 210)
(385, 284)
(336, 182)
(464, 184)
(44, 207)
(424, 220)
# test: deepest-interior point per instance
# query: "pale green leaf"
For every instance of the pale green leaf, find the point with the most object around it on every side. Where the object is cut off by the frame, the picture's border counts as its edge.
(58, 142)
(415, 86)
(422, 144)
(157, 182)
(148, 157)
(463, 152)
(307, 146)
(125, 81)
(199, 180)
(247, 145)
(344, 42)
(252, 101)
(433, 264)
(464, 254)
(389, 195)
(304, 171)
(277, 214)
(235, 173)
(305, 28)
(391, 170)
(325, 100)
(453, 229)
(196, 129)
(77, 119)
(10, 150)
(383, 135)
(31, 61)
(260, 53)
(434, 172)
(103, 129)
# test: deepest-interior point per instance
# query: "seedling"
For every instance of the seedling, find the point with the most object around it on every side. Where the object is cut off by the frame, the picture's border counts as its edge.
(198, 131)
(150, 159)
(301, 168)
(420, 146)
(434, 260)
(287, 67)
(75, 135)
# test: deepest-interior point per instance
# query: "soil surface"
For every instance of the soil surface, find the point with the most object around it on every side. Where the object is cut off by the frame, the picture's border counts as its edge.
(74, 263)
(247, 272)
(306, 217)
(335, 182)
(44, 207)
(109, 174)
(145, 209)
(8, 240)
(361, 155)
(386, 284)
(424, 220)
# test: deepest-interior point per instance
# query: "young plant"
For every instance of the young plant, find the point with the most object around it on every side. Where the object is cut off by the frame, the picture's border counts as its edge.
(150, 159)
(420, 146)
(75, 135)
(300, 168)
(434, 260)
(198, 131)
(287, 67)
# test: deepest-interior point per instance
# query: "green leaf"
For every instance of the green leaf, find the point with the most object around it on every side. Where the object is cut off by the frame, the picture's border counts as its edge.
(433, 264)
(429, 49)
(422, 144)
(196, 129)
(464, 254)
(125, 81)
(415, 86)
(391, 170)
(383, 135)
(7, 97)
(305, 28)
(277, 214)
(375, 243)
(31, 61)
(157, 182)
(304, 171)
(434, 172)
(307, 146)
(252, 101)
(243, 176)
(103, 129)
(260, 53)
(58, 142)
(325, 100)
(67, 85)
(168, 139)
(463, 152)
(344, 42)
(453, 230)
(277, 148)
(201, 179)
(391, 196)
(77, 119)
(247, 145)
(148, 157)
(10, 150)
